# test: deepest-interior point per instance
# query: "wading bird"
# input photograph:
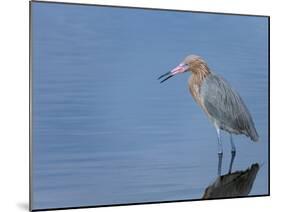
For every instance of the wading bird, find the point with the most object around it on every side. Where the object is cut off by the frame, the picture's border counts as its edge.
(222, 104)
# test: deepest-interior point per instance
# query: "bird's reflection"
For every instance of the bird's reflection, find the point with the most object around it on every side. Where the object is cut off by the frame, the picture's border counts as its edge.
(232, 184)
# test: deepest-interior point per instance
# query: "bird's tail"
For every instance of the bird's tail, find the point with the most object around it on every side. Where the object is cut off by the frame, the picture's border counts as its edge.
(253, 134)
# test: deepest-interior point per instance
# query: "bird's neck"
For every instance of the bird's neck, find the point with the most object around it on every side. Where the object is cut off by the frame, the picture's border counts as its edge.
(196, 79)
(199, 75)
(200, 70)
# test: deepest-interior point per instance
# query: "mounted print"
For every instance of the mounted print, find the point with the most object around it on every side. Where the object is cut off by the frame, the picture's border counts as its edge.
(137, 105)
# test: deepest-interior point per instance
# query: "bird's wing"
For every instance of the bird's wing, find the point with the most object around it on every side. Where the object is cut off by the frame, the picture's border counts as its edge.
(226, 106)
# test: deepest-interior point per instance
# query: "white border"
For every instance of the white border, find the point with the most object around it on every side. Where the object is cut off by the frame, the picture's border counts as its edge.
(14, 92)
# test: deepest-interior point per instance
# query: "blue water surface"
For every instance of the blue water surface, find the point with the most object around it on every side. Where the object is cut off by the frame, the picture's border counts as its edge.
(106, 132)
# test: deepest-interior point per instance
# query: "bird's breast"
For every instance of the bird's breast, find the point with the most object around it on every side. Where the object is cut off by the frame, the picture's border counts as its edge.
(194, 85)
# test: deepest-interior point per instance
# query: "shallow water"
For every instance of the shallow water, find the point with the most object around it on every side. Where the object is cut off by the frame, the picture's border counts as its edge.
(106, 132)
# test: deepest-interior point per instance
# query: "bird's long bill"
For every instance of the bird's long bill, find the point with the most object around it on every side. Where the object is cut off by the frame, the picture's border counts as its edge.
(177, 70)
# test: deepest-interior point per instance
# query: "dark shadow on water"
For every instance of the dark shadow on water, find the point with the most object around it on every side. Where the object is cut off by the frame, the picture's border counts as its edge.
(232, 184)
(23, 206)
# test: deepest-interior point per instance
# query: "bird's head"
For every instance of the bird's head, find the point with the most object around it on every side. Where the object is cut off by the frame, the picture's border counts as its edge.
(192, 63)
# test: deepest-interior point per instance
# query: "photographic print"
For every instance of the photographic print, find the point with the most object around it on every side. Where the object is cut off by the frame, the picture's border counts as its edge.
(138, 105)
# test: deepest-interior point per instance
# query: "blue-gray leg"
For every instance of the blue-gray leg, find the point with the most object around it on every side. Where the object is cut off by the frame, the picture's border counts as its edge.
(233, 148)
(233, 153)
(220, 150)
(219, 164)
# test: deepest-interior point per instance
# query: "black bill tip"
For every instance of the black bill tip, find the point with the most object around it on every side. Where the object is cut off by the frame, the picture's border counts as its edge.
(166, 78)
(163, 75)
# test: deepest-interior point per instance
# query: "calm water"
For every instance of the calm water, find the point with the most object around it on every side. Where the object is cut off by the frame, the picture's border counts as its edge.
(106, 132)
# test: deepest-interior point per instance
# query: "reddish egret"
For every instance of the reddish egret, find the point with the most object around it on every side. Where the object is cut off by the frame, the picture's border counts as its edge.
(222, 104)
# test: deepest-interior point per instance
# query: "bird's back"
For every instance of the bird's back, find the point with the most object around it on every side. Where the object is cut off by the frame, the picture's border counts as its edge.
(226, 108)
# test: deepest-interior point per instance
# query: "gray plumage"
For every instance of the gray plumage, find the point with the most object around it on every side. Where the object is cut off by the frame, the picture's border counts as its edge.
(226, 108)
(222, 104)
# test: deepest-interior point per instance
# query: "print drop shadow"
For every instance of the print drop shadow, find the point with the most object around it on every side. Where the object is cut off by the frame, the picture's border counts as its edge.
(233, 184)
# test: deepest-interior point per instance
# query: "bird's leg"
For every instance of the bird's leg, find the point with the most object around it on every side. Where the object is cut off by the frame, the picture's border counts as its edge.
(220, 150)
(231, 162)
(219, 164)
(233, 153)
(233, 148)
